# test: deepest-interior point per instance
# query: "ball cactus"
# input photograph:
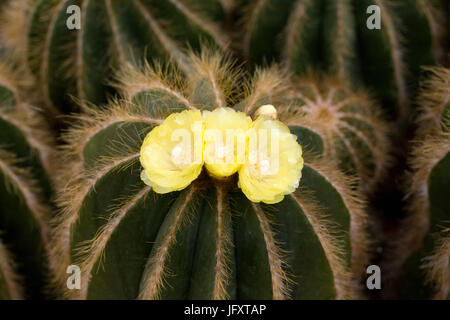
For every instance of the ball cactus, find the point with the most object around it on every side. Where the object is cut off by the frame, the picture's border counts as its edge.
(342, 124)
(25, 187)
(333, 36)
(79, 63)
(206, 241)
(426, 271)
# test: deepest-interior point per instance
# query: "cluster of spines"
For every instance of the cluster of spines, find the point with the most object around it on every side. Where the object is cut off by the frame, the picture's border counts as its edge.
(340, 123)
(25, 166)
(434, 102)
(119, 130)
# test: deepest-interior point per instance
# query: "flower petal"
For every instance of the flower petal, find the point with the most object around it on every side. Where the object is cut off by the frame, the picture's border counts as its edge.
(171, 153)
(224, 138)
(273, 164)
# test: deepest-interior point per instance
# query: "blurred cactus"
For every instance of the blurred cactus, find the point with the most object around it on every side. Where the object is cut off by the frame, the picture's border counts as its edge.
(25, 186)
(425, 231)
(333, 36)
(340, 123)
(207, 241)
(10, 286)
(79, 63)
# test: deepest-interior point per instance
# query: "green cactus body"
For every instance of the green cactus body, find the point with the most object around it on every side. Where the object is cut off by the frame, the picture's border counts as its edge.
(426, 272)
(338, 122)
(332, 35)
(207, 241)
(25, 187)
(79, 63)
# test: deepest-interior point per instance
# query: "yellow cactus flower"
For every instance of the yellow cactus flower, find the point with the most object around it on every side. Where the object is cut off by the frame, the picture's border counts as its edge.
(171, 153)
(224, 140)
(273, 164)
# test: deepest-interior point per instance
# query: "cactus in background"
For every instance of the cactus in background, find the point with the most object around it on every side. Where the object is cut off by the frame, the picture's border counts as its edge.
(13, 28)
(332, 35)
(79, 63)
(426, 271)
(340, 123)
(10, 286)
(25, 188)
(207, 241)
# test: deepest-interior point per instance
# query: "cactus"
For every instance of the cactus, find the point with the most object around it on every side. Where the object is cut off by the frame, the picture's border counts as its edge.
(25, 187)
(332, 35)
(341, 123)
(207, 241)
(434, 102)
(426, 271)
(79, 63)
(10, 286)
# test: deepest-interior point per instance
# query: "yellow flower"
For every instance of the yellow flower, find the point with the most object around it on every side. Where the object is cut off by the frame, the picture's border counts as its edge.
(274, 162)
(172, 152)
(224, 138)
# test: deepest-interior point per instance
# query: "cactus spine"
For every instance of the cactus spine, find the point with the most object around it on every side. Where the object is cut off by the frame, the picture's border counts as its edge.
(207, 241)
(426, 272)
(79, 63)
(25, 188)
(332, 35)
(10, 286)
(340, 123)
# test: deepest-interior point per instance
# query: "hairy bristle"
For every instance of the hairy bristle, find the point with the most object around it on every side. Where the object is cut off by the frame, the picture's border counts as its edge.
(355, 202)
(224, 247)
(219, 70)
(345, 35)
(436, 17)
(322, 110)
(9, 275)
(204, 23)
(90, 252)
(437, 267)
(21, 182)
(14, 24)
(270, 82)
(330, 242)
(156, 271)
(393, 28)
(277, 263)
(35, 130)
(250, 15)
(425, 155)
(132, 79)
(434, 97)
(295, 29)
